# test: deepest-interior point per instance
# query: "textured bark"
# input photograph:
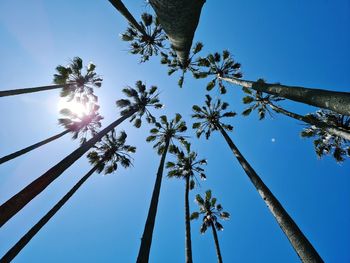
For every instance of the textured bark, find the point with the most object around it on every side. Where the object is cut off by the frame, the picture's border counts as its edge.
(300, 243)
(31, 148)
(217, 246)
(18, 201)
(179, 19)
(188, 247)
(322, 125)
(146, 240)
(125, 12)
(5, 93)
(326, 99)
(13, 252)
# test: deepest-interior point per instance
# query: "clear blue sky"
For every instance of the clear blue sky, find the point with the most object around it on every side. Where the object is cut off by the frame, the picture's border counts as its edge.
(292, 42)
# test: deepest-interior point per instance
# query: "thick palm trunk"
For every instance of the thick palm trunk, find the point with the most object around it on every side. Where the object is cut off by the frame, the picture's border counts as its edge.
(18, 201)
(217, 246)
(300, 243)
(322, 125)
(125, 12)
(32, 147)
(179, 19)
(4, 93)
(327, 99)
(146, 239)
(188, 249)
(13, 252)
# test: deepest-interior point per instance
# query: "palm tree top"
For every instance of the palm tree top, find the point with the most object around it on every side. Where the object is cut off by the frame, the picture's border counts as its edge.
(82, 125)
(210, 116)
(78, 85)
(139, 99)
(219, 66)
(210, 210)
(326, 143)
(165, 131)
(145, 45)
(110, 152)
(186, 165)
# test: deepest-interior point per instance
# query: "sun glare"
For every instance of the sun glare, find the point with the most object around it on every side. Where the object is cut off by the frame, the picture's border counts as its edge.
(74, 106)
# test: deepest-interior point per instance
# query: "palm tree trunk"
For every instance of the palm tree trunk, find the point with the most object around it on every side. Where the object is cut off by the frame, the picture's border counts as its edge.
(217, 246)
(13, 252)
(188, 249)
(18, 201)
(179, 19)
(146, 239)
(125, 12)
(320, 124)
(5, 93)
(327, 99)
(300, 243)
(32, 147)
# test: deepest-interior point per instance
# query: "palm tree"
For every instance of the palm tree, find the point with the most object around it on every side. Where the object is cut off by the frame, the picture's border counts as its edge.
(108, 153)
(164, 133)
(134, 109)
(186, 167)
(145, 45)
(179, 19)
(327, 99)
(327, 142)
(81, 127)
(209, 117)
(263, 102)
(70, 79)
(210, 211)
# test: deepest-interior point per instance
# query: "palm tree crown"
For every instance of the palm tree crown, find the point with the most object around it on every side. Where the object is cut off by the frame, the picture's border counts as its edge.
(145, 45)
(78, 85)
(219, 66)
(210, 210)
(167, 131)
(140, 99)
(82, 125)
(326, 143)
(110, 151)
(210, 117)
(187, 165)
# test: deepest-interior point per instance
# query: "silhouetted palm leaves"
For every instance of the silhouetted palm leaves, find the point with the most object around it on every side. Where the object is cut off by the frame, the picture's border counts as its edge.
(326, 143)
(145, 45)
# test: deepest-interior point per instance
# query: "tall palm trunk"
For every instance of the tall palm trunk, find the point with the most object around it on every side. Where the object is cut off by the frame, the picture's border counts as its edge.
(320, 124)
(179, 19)
(187, 222)
(300, 243)
(125, 12)
(13, 252)
(146, 239)
(18, 201)
(32, 147)
(327, 99)
(4, 93)
(217, 246)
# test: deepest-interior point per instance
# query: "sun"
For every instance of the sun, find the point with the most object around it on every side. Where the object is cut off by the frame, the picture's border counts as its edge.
(73, 106)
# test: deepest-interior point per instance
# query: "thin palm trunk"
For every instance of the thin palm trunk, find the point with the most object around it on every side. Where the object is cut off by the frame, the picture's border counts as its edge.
(31, 148)
(5, 93)
(146, 239)
(179, 19)
(13, 252)
(300, 243)
(217, 246)
(18, 201)
(125, 12)
(320, 124)
(327, 99)
(188, 249)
